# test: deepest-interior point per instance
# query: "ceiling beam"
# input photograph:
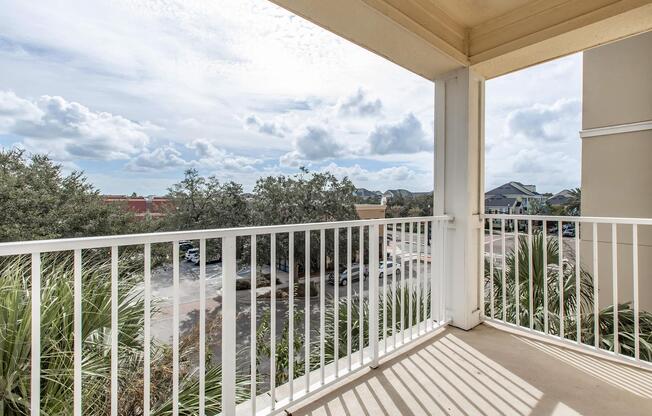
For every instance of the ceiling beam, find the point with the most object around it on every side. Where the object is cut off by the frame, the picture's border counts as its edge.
(548, 29)
(421, 37)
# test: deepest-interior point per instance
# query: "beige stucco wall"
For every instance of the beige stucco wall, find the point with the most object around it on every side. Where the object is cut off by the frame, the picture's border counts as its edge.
(617, 168)
(617, 82)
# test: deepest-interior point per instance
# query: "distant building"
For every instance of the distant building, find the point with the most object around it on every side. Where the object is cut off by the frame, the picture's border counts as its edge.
(511, 198)
(560, 199)
(142, 206)
(365, 193)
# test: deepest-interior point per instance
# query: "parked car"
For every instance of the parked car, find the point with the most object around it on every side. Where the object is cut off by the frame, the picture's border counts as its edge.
(344, 278)
(194, 258)
(185, 245)
(568, 230)
(191, 253)
(388, 269)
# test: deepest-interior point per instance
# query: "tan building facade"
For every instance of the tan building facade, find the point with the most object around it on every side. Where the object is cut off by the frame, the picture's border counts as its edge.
(617, 160)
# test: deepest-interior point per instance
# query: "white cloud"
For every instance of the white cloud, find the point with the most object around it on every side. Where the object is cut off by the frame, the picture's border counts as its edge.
(358, 174)
(161, 158)
(14, 109)
(70, 130)
(538, 144)
(215, 159)
(265, 127)
(405, 136)
(359, 105)
(313, 144)
(541, 122)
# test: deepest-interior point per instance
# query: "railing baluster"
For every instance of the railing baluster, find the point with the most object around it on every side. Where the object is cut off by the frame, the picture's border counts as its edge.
(322, 304)
(336, 300)
(418, 304)
(114, 331)
(614, 278)
(403, 276)
(395, 269)
(272, 327)
(517, 286)
(307, 310)
(544, 248)
(433, 289)
(147, 337)
(361, 279)
(491, 268)
(77, 399)
(560, 276)
(253, 271)
(291, 314)
(635, 290)
(228, 325)
(348, 296)
(35, 381)
(442, 298)
(202, 326)
(373, 294)
(578, 282)
(596, 288)
(409, 281)
(530, 275)
(503, 271)
(385, 273)
(175, 328)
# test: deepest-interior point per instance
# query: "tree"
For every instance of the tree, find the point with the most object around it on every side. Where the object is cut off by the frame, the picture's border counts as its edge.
(203, 203)
(574, 202)
(302, 198)
(38, 201)
(536, 207)
(418, 206)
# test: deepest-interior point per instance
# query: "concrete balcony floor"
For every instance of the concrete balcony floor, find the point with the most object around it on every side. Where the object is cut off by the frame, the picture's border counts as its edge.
(487, 371)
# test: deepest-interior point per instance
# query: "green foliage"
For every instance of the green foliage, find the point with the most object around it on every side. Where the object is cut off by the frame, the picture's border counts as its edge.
(418, 206)
(204, 203)
(573, 207)
(303, 198)
(38, 201)
(359, 322)
(568, 277)
(57, 305)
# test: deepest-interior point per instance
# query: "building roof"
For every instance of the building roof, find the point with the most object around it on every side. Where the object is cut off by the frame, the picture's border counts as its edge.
(514, 188)
(560, 198)
(500, 201)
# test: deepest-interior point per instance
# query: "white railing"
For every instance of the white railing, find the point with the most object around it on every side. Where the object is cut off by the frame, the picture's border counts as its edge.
(534, 287)
(392, 311)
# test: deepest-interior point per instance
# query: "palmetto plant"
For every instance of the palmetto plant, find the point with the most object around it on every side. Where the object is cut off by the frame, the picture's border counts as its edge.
(359, 314)
(560, 308)
(57, 377)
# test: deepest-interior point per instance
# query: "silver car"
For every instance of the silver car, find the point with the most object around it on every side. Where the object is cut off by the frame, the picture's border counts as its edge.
(344, 277)
(389, 268)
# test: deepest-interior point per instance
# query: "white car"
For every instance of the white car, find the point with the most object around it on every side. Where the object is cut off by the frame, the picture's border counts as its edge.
(191, 253)
(388, 268)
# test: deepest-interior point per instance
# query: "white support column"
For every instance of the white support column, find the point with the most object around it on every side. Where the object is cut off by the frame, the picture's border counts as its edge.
(459, 188)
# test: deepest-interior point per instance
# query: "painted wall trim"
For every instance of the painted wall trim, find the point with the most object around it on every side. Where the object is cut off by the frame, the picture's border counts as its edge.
(618, 129)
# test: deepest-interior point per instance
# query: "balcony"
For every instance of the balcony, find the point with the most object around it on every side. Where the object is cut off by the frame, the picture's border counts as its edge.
(381, 344)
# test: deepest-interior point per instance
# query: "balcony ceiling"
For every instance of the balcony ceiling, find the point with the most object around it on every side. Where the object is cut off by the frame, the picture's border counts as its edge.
(432, 37)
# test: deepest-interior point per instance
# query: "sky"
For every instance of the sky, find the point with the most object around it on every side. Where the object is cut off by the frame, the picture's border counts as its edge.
(133, 92)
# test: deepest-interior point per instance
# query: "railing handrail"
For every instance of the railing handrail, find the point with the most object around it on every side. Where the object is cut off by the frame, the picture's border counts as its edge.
(600, 220)
(67, 244)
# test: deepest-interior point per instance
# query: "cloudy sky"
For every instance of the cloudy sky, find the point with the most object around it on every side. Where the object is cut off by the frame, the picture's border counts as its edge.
(135, 91)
